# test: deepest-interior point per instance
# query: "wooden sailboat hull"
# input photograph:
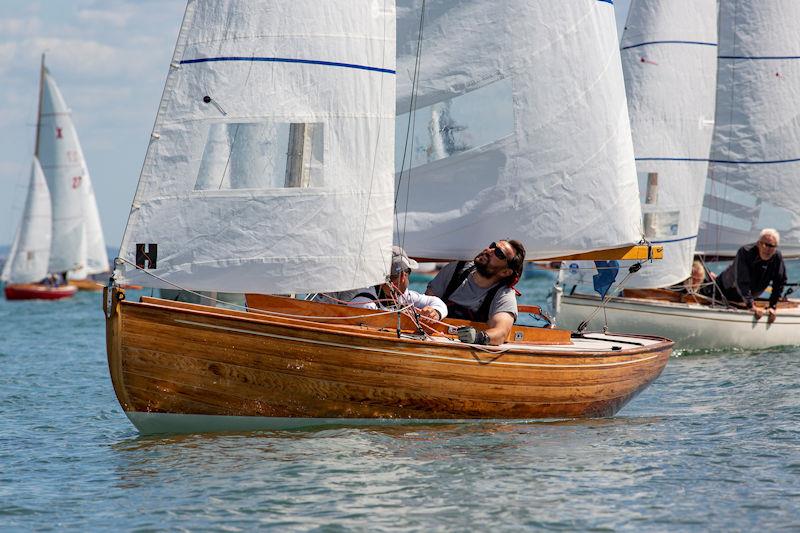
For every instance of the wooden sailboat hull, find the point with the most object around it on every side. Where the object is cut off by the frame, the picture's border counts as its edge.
(181, 367)
(38, 291)
(690, 325)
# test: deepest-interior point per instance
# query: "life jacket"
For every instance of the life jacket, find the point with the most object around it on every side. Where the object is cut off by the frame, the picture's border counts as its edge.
(455, 310)
(380, 299)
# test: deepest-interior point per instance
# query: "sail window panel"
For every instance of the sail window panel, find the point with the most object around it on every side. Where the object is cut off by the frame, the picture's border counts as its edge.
(262, 155)
(772, 216)
(727, 220)
(659, 223)
(468, 121)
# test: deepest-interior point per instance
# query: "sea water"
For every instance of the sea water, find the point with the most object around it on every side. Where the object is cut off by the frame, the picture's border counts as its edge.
(713, 444)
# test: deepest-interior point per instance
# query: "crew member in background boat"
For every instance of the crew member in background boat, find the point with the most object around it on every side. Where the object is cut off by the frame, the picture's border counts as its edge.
(698, 279)
(396, 291)
(754, 268)
(483, 291)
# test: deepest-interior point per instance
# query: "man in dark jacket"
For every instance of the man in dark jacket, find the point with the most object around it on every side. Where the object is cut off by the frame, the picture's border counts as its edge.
(754, 268)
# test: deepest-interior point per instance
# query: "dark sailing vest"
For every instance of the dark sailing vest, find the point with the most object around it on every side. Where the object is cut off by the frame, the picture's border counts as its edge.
(455, 310)
(380, 299)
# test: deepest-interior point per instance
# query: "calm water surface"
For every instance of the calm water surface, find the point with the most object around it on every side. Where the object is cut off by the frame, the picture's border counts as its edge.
(714, 443)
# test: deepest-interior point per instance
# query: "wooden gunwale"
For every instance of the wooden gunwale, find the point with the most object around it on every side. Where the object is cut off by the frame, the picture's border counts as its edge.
(691, 310)
(373, 333)
(666, 295)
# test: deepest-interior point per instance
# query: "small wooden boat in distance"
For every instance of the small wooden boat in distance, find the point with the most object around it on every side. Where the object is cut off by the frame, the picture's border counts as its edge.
(59, 236)
(86, 284)
(38, 291)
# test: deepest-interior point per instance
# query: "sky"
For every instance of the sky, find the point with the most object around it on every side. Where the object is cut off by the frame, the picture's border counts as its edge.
(110, 59)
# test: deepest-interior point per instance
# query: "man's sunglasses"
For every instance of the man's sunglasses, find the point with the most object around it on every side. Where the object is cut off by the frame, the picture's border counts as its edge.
(768, 245)
(500, 254)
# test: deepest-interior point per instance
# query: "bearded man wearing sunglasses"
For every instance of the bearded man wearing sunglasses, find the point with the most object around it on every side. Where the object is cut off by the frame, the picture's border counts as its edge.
(754, 268)
(482, 290)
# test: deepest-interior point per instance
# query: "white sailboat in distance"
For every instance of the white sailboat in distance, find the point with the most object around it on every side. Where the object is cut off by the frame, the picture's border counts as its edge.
(724, 179)
(55, 262)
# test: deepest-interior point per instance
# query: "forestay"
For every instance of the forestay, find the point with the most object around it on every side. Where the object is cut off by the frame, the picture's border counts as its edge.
(669, 57)
(755, 154)
(28, 258)
(270, 164)
(551, 164)
(62, 162)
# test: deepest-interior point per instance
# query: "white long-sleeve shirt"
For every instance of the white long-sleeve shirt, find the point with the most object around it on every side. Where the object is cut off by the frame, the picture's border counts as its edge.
(407, 298)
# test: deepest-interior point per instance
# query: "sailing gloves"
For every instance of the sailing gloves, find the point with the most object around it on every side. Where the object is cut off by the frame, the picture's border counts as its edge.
(471, 335)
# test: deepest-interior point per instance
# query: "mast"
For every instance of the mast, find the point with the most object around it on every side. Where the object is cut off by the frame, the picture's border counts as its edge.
(39, 111)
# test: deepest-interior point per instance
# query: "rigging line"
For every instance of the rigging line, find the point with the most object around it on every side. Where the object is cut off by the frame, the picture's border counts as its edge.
(732, 68)
(607, 298)
(228, 160)
(410, 127)
(716, 285)
(251, 309)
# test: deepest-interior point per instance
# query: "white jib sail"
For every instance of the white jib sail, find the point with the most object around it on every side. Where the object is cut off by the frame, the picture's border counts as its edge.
(96, 259)
(27, 262)
(529, 102)
(755, 154)
(308, 207)
(63, 165)
(669, 58)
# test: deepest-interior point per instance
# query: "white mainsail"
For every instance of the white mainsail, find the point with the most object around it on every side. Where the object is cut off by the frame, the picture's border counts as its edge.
(669, 57)
(28, 259)
(755, 154)
(245, 63)
(561, 176)
(60, 155)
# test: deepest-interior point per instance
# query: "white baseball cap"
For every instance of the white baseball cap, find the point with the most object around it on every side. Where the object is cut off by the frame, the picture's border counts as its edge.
(401, 261)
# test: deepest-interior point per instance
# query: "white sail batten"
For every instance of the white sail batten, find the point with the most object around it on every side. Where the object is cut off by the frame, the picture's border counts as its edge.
(307, 206)
(28, 259)
(669, 58)
(561, 176)
(755, 154)
(62, 161)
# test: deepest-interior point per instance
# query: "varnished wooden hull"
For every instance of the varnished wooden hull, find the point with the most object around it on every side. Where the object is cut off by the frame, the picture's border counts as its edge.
(86, 285)
(180, 367)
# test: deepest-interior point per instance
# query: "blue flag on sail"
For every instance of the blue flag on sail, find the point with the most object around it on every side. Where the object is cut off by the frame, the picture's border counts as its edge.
(606, 274)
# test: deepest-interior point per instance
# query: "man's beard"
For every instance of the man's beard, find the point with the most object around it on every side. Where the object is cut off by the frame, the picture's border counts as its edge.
(483, 268)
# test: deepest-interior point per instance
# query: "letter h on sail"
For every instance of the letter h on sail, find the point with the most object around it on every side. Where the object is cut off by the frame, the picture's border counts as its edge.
(146, 259)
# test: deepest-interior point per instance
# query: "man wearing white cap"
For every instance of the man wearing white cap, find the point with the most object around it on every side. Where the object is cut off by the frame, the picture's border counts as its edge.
(395, 292)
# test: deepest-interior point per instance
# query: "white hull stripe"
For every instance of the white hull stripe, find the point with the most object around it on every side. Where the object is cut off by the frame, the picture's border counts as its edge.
(412, 354)
(158, 423)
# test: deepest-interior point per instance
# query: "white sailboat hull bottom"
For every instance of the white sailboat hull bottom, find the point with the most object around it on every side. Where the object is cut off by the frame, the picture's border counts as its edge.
(690, 326)
(160, 423)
